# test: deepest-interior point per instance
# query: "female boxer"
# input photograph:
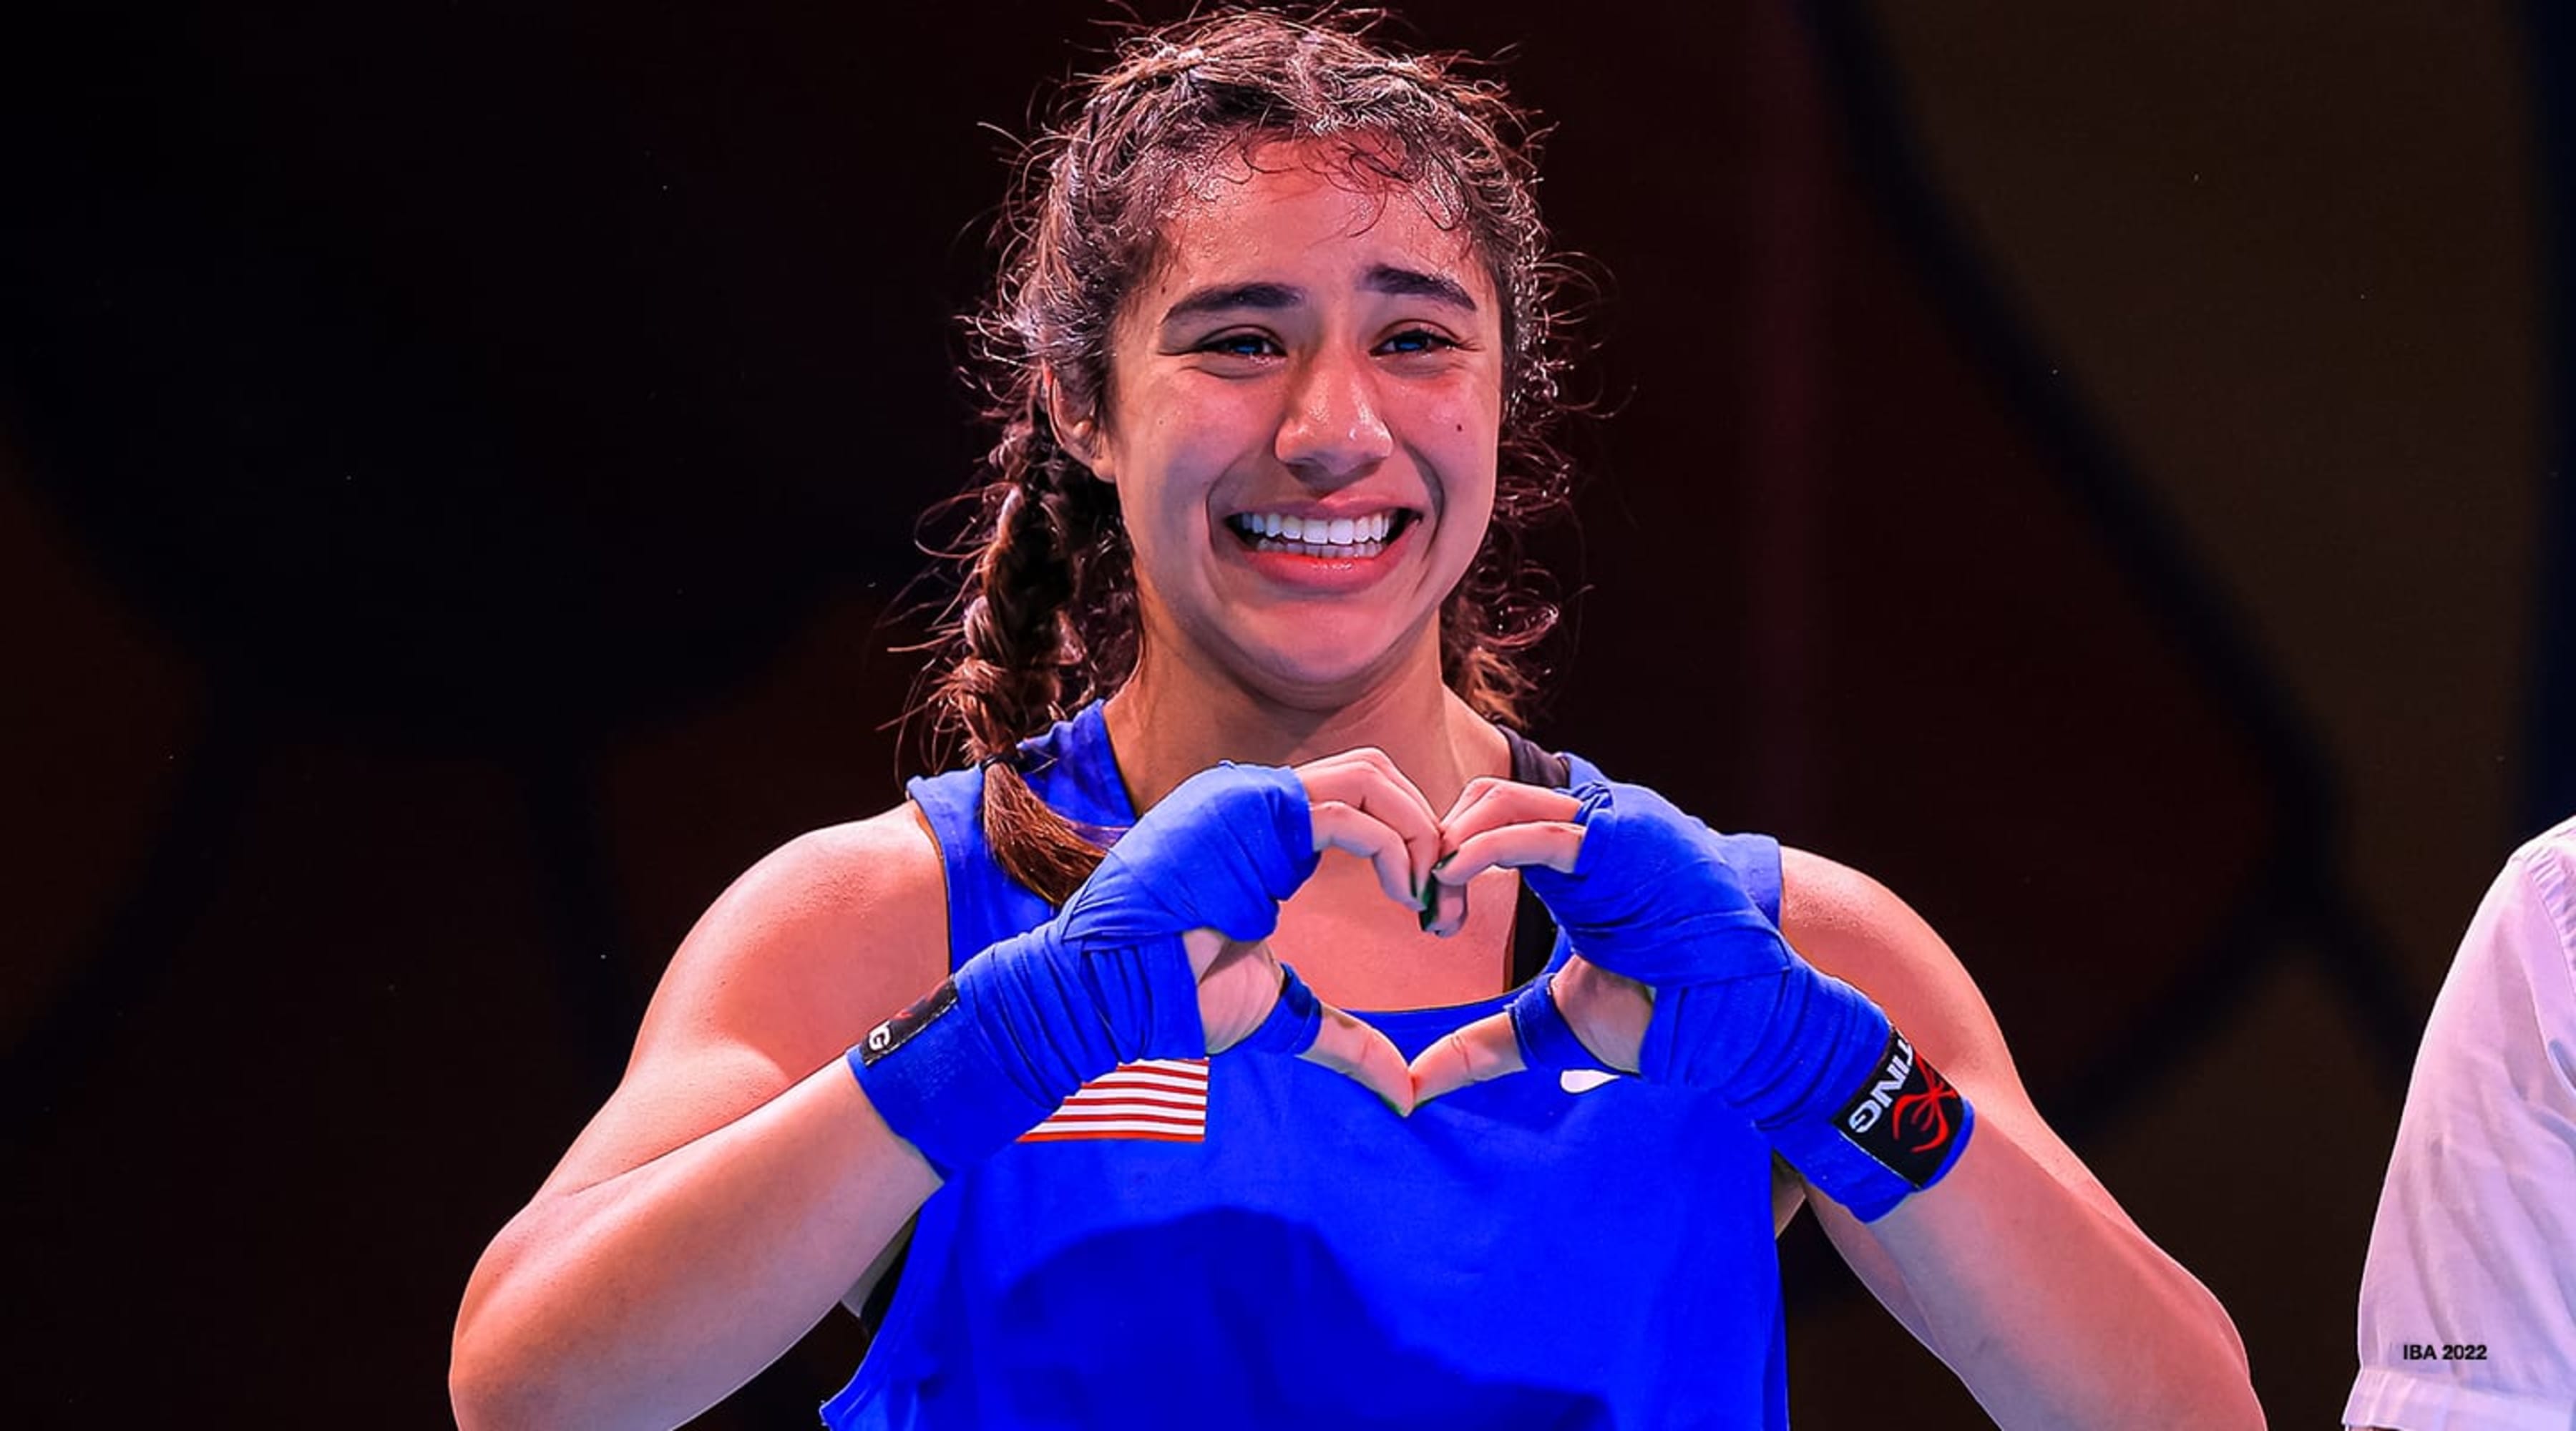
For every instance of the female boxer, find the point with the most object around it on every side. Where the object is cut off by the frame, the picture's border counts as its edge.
(1272, 361)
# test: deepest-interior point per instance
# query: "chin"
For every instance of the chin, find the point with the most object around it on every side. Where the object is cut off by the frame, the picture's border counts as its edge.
(1320, 662)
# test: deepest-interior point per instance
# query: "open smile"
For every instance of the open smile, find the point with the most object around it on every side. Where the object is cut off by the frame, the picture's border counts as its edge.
(1327, 538)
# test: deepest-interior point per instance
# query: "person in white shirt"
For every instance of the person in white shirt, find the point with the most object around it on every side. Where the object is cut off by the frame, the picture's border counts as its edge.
(2468, 1301)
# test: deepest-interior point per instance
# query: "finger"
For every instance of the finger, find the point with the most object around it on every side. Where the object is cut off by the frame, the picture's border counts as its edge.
(1348, 828)
(1512, 846)
(1504, 802)
(1473, 793)
(1369, 780)
(1205, 947)
(1353, 1049)
(1610, 1012)
(1486, 794)
(1545, 1036)
(1552, 843)
(1446, 912)
(1368, 761)
(1485, 1049)
(1488, 805)
(1301, 1025)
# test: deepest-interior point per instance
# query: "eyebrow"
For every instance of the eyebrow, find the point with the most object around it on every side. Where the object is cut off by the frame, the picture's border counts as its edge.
(1381, 278)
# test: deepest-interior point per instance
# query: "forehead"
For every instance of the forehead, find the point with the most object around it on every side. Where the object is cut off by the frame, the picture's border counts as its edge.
(1305, 212)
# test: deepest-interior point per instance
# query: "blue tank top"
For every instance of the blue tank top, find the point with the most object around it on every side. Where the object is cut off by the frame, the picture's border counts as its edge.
(1252, 1241)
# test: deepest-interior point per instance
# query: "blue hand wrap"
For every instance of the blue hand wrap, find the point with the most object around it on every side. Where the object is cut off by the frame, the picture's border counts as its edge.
(1808, 1058)
(1021, 1026)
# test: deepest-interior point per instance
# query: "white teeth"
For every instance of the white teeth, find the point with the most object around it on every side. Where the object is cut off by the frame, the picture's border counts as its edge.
(1317, 531)
(1360, 550)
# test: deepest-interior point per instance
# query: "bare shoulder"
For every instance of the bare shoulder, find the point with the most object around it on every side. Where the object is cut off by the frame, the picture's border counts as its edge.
(824, 937)
(1856, 929)
(818, 935)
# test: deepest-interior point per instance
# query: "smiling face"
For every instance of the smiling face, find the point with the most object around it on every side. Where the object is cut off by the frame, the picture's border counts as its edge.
(1305, 398)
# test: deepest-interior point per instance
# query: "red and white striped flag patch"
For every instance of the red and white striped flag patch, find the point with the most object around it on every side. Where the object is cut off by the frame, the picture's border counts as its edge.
(1159, 1099)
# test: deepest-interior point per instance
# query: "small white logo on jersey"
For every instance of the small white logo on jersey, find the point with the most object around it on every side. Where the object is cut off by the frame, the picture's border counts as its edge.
(1584, 1080)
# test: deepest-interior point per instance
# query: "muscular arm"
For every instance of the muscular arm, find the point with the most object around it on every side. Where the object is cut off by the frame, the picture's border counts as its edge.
(2018, 1269)
(738, 1183)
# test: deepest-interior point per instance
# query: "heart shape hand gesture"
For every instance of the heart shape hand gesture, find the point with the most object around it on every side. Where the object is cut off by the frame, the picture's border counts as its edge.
(1643, 891)
(1675, 974)
(1678, 975)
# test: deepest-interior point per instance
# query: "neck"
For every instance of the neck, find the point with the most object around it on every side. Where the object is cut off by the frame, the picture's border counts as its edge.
(1171, 720)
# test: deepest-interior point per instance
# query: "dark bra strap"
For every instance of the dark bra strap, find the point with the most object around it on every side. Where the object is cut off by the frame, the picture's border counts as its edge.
(1533, 928)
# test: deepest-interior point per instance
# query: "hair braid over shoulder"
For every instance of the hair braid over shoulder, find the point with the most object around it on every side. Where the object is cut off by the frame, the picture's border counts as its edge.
(1017, 636)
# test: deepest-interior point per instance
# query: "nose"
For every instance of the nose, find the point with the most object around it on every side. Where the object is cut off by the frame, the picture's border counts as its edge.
(1334, 429)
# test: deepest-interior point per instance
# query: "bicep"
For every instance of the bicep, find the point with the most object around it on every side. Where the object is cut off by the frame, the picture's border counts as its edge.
(1854, 928)
(830, 934)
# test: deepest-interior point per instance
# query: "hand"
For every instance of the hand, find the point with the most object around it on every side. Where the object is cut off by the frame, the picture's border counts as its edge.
(1159, 954)
(1360, 803)
(1217, 856)
(1655, 913)
(1505, 824)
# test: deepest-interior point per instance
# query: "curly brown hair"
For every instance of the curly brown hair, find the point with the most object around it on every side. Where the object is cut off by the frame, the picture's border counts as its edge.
(1045, 616)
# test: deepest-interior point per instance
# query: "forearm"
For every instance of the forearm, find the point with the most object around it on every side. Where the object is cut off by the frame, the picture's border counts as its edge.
(2054, 1310)
(647, 1297)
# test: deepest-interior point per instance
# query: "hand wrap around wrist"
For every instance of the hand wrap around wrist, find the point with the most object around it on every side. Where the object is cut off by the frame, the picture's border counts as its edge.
(1022, 1025)
(1808, 1058)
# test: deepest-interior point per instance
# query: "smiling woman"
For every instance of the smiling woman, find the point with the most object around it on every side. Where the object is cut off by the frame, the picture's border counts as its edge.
(1020, 1072)
(1308, 349)
(1140, 226)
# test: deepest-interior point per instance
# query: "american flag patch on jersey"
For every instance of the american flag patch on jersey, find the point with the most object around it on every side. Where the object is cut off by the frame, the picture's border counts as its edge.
(1159, 1099)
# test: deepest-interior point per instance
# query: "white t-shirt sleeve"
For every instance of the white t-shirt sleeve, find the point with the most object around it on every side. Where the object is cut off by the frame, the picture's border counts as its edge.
(2468, 1302)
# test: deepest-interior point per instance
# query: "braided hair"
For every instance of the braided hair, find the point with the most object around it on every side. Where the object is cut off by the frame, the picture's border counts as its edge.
(1045, 616)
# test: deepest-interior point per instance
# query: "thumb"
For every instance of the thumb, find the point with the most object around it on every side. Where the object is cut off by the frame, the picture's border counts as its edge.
(1308, 1028)
(1357, 1051)
(1532, 1033)
(1485, 1049)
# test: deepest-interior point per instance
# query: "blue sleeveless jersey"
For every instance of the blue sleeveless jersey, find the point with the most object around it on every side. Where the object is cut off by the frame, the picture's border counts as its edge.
(1252, 1241)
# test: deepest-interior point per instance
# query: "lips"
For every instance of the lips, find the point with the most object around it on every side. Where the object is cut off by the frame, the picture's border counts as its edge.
(1313, 564)
(1356, 535)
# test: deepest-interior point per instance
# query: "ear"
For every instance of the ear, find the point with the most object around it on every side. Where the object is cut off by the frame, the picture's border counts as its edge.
(1076, 433)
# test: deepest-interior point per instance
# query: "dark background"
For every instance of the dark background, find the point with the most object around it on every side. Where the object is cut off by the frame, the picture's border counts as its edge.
(2098, 473)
